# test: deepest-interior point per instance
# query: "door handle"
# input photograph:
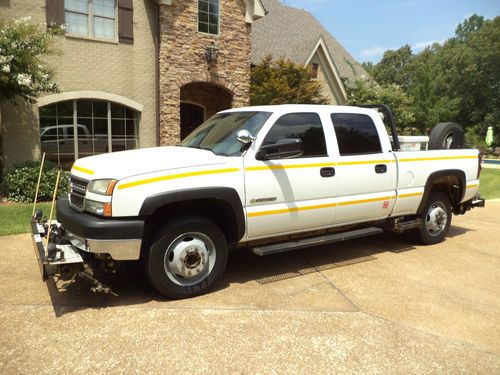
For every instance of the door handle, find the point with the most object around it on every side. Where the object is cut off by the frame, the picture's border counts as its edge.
(381, 168)
(327, 172)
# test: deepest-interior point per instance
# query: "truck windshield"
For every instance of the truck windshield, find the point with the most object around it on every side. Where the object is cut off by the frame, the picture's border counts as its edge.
(218, 134)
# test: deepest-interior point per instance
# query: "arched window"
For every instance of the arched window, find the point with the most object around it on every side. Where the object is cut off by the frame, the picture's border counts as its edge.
(77, 128)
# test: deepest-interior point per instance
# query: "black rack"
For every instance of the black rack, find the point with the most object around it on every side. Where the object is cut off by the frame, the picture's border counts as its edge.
(385, 109)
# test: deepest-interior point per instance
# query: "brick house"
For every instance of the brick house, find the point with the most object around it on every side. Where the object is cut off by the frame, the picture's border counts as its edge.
(134, 73)
(297, 35)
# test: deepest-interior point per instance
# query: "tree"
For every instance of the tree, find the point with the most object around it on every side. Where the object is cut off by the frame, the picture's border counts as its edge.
(458, 80)
(23, 73)
(370, 92)
(282, 81)
(394, 67)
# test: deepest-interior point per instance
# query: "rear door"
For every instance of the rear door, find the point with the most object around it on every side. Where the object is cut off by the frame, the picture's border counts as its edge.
(366, 169)
(291, 195)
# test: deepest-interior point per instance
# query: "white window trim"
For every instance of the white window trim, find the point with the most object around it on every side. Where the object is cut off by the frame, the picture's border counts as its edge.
(90, 25)
(74, 100)
(198, 22)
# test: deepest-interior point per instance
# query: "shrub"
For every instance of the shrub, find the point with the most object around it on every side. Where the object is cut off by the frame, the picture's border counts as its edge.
(19, 183)
(474, 138)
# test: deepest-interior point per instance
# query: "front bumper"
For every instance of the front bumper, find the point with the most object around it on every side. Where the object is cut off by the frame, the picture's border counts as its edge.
(120, 238)
(74, 236)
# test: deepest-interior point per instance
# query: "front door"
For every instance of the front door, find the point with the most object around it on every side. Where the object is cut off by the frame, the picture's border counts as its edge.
(192, 116)
(291, 195)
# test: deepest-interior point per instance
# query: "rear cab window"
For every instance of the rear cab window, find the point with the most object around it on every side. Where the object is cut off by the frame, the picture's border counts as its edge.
(356, 134)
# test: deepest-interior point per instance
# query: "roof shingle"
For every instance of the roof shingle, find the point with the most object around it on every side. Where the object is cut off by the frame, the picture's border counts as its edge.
(292, 33)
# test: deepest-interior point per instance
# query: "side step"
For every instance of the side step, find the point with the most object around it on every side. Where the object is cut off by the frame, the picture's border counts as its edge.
(315, 241)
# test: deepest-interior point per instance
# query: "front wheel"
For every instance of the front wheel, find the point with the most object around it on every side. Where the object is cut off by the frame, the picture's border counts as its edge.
(186, 258)
(436, 218)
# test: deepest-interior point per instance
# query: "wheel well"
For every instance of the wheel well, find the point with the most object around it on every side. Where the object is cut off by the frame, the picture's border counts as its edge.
(451, 183)
(216, 210)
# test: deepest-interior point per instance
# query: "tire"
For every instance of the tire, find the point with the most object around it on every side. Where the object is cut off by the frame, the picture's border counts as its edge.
(436, 217)
(446, 135)
(186, 257)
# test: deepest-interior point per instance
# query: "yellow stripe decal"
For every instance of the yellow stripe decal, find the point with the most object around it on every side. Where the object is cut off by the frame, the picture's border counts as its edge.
(306, 208)
(440, 158)
(83, 170)
(472, 186)
(410, 195)
(292, 209)
(365, 200)
(175, 176)
(289, 166)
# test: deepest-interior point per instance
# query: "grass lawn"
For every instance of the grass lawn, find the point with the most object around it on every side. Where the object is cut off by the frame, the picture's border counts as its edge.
(15, 217)
(490, 183)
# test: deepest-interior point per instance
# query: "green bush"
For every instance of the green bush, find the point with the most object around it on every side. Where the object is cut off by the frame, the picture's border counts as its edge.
(19, 181)
(475, 139)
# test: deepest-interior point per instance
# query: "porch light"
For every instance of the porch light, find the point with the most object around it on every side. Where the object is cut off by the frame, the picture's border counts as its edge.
(211, 53)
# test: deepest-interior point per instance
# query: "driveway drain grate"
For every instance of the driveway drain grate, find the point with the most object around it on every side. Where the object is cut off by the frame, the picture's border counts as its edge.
(308, 270)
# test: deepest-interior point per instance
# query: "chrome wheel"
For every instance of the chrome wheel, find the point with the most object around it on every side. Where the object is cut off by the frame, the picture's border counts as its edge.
(448, 140)
(189, 258)
(436, 219)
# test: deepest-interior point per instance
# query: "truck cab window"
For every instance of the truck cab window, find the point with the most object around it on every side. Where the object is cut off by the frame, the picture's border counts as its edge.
(306, 126)
(356, 134)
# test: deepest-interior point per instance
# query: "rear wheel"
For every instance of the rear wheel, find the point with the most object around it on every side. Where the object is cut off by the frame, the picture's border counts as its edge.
(186, 258)
(436, 218)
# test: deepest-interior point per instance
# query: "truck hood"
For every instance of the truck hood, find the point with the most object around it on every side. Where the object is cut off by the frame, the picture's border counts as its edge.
(119, 165)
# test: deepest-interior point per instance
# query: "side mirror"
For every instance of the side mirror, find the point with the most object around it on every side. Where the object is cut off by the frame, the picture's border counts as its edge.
(283, 149)
(245, 137)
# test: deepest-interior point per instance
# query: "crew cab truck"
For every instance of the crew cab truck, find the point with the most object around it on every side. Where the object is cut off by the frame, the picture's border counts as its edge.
(270, 178)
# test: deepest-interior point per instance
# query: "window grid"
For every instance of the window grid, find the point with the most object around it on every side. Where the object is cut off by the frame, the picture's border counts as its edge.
(101, 126)
(95, 25)
(209, 16)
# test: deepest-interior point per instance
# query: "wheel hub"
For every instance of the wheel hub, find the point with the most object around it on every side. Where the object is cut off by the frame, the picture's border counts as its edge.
(436, 220)
(187, 258)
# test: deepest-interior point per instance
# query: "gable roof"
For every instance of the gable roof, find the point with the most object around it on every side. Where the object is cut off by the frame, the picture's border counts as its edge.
(294, 33)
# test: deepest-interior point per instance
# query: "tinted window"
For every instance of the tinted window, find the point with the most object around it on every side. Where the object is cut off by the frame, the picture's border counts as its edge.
(356, 134)
(306, 126)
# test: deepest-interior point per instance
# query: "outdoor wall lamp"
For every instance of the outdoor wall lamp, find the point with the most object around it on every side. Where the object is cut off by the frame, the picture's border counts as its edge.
(211, 53)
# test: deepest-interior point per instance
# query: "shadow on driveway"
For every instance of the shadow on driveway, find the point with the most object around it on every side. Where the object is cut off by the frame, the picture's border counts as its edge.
(243, 267)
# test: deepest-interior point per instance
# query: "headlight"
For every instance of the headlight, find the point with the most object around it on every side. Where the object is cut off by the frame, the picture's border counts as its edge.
(103, 187)
(98, 208)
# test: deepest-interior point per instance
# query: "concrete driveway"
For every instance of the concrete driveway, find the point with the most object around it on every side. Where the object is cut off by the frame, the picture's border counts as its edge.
(374, 305)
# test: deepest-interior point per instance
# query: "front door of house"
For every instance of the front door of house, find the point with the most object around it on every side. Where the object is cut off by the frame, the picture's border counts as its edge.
(192, 116)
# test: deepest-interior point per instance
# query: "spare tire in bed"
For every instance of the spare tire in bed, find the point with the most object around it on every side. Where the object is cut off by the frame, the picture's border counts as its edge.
(446, 135)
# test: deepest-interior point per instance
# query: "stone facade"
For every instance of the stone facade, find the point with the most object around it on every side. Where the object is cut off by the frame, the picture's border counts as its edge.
(122, 70)
(183, 62)
(126, 73)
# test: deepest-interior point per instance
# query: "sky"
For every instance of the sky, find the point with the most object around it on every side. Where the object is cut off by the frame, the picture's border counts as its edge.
(367, 28)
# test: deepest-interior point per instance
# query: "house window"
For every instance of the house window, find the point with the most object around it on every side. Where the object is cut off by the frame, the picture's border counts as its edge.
(77, 128)
(94, 18)
(314, 68)
(208, 16)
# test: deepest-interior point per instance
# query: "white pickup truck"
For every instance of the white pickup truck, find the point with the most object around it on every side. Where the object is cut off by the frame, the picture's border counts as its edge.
(251, 177)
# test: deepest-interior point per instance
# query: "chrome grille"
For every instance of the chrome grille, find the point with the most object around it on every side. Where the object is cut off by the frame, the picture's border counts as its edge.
(78, 188)
(78, 185)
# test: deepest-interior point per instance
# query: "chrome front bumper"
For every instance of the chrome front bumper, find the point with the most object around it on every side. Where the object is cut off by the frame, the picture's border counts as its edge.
(129, 249)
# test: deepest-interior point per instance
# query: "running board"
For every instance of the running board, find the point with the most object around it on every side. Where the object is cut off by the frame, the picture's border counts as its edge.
(316, 241)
